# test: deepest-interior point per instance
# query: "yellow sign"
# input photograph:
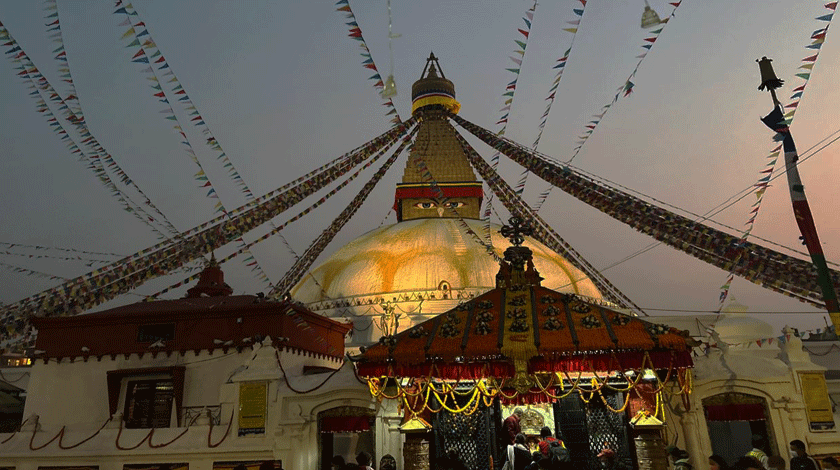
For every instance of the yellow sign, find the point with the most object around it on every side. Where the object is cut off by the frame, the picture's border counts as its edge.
(817, 403)
(252, 399)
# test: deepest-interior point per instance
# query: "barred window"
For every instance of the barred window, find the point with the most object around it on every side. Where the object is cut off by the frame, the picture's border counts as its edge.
(148, 403)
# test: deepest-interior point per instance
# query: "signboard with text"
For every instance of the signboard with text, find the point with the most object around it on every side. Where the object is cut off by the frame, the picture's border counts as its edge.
(252, 407)
(817, 402)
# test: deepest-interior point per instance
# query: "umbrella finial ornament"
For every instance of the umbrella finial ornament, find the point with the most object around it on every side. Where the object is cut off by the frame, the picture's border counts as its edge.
(769, 80)
(516, 231)
(517, 255)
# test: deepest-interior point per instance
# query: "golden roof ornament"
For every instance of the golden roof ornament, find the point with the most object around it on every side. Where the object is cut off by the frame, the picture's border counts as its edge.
(415, 424)
(433, 90)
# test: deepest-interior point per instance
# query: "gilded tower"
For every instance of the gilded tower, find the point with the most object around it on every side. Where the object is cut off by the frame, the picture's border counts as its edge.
(438, 180)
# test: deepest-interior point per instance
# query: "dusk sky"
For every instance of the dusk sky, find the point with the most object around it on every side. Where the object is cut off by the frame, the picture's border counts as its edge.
(281, 86)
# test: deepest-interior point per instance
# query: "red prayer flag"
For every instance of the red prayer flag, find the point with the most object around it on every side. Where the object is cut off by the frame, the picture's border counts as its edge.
(524, 33)
(831, 6)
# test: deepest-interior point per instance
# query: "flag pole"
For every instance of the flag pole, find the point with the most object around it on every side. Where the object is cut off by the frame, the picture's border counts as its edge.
(801, 210)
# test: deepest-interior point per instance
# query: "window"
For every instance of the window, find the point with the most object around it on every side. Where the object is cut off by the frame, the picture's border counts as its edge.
(148, 403)
(147, 396)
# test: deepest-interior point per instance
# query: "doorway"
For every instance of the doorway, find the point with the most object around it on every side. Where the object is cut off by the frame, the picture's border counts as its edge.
(346, 431)
(733, 419)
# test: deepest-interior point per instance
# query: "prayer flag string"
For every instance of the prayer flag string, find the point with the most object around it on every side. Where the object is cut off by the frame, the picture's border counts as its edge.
(54, 28)
(302, 265)
(97, 156)
(542, 230)
(277, 229)
(624, 90)
(508, 95)
(355, 32)
(560, 66)
(84, 292)
(763, 266)
(154, 63)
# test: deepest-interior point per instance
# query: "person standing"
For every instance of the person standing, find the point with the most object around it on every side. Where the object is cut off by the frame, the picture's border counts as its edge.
(799, 458)
(518, 455)
(511, 426)
(364, 460)
(757, 451)
(546, 439)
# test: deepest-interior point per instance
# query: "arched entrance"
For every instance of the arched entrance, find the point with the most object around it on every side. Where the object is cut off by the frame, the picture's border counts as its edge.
(733, 419)
(346, 431)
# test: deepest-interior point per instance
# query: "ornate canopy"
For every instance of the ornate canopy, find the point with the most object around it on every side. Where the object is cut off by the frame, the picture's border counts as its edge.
(527, 339)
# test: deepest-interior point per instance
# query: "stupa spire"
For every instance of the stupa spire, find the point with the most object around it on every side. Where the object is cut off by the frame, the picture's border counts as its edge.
(438, 181)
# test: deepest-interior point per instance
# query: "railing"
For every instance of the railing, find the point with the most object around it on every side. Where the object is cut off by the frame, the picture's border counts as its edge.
(189, 414)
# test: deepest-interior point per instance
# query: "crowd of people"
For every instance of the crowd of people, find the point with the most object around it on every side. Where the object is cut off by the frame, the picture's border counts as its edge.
(757, 459)
(550, 453)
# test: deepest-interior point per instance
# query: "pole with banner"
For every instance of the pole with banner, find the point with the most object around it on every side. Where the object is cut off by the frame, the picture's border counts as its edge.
(801, 210)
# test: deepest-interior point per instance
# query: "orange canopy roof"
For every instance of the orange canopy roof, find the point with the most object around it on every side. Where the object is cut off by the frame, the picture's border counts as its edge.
(553, 331)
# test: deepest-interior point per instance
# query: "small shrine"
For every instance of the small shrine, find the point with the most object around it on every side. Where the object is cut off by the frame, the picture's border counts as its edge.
(523, 344)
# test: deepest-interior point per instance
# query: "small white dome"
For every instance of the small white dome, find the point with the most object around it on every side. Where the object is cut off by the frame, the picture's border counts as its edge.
(735, 326)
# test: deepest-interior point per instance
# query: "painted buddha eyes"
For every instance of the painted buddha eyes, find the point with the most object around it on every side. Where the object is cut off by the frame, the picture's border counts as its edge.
(432, 205)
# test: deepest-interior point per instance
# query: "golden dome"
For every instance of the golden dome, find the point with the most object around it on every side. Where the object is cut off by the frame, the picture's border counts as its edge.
(420, 267)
